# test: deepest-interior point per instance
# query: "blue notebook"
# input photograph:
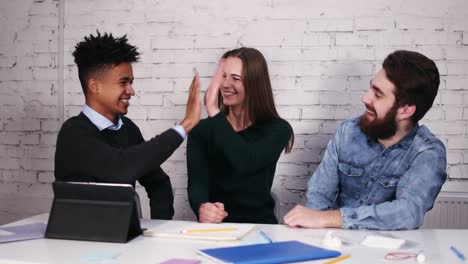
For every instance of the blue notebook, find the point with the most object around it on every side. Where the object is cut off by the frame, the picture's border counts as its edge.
(277, 252)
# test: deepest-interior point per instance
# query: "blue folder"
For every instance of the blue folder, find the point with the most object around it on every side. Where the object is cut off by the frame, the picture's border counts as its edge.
(277, 252)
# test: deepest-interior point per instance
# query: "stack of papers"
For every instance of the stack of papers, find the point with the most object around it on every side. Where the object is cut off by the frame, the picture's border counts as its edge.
(22, 232)
(190, 230)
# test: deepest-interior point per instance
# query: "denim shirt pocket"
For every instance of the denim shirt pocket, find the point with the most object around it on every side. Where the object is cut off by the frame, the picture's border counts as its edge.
(350, 170)
(388, 188)
(388, 182)
(351, 178)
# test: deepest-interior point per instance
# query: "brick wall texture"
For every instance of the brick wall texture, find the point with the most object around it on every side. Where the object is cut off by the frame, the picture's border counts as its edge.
(321, 56)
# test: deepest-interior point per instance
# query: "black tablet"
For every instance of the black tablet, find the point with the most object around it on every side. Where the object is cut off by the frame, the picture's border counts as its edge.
(93, 212)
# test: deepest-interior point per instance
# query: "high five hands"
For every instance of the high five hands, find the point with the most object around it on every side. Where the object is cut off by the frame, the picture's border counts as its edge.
(193, 111)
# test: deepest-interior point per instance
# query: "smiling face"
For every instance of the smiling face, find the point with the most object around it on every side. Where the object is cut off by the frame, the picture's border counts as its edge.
(232, 89)
(110, 92)
(379, 120)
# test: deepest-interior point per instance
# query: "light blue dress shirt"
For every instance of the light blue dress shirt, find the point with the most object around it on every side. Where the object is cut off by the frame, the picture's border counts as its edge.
(377, 187)
(101, 122)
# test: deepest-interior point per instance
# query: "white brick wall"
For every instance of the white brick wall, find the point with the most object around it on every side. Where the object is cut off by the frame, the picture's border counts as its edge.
(29, 116)
(321, 56)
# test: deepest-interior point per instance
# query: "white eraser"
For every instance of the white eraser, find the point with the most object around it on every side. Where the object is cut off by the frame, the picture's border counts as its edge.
(421, 258)
(331, 242)
(382, 242)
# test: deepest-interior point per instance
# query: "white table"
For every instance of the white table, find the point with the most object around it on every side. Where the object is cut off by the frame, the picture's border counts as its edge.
(145, 250)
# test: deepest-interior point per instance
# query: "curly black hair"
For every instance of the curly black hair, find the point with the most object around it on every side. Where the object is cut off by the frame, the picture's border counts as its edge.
(98, 52)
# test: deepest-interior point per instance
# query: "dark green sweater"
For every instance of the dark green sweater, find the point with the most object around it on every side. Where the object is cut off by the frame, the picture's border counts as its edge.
(235, 168)
(85, 154)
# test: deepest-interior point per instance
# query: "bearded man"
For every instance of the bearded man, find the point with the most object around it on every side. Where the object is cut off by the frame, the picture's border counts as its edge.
(381, 170)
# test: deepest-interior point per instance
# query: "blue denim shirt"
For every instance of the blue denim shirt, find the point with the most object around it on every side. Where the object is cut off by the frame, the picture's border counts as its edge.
(377, 187)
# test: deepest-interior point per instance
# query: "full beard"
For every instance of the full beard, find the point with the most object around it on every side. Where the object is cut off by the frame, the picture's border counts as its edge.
(380, 128)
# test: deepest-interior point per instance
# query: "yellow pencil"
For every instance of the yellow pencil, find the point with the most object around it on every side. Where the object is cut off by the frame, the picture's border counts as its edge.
(209, 230)
(333, 261)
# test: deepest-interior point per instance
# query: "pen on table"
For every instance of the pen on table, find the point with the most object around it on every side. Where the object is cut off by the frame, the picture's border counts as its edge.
(208, 230)
(336, 260)
(457, 253)
(265, 236)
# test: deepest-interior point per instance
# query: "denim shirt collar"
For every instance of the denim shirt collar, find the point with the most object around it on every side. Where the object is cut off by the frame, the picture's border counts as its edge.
(408, 139)
(100, 121)
(405, 142)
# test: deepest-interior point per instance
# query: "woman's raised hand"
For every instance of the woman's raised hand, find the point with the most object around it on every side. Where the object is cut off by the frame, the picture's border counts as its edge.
(211, 95)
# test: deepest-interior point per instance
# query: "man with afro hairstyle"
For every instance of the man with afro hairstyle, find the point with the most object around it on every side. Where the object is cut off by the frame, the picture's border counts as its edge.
(100, 144)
